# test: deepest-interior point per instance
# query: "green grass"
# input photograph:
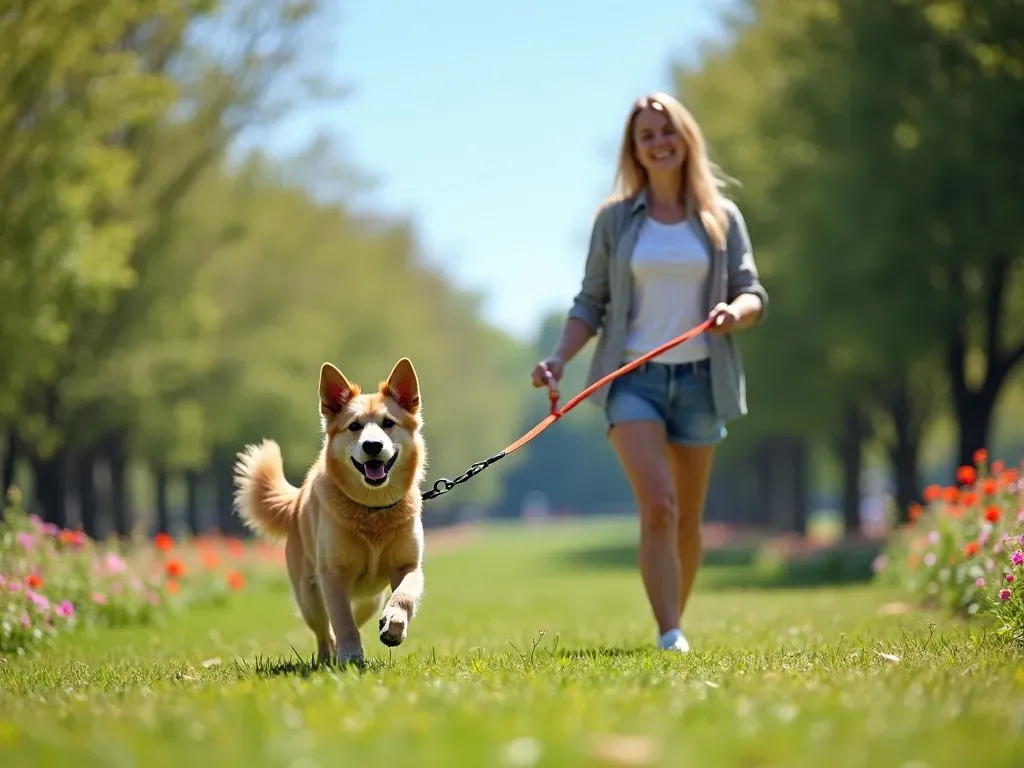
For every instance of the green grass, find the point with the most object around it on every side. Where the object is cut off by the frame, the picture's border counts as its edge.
(524, 655)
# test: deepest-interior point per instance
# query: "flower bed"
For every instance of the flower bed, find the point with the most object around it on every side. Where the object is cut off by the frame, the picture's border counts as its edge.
(56, 580)
(963, 549)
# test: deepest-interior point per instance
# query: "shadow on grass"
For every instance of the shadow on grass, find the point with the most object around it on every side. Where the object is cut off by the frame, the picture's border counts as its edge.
(749, 567)
(298, 667)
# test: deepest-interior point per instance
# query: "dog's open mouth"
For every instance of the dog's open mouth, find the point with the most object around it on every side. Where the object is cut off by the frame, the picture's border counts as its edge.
(375, 472)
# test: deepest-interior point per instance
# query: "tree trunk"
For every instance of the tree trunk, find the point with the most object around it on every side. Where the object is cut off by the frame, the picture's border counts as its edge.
(9, 465)
(163, 516)
(974, 419)
(51, 479)
(224, 495)
(974, 406)
(904, 452)
(850, 450)
(192, 518)
(88, 503)
(117, 461)
(800, 457)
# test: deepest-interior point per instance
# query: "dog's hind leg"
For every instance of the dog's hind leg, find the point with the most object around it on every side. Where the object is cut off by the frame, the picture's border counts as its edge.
(310, 602)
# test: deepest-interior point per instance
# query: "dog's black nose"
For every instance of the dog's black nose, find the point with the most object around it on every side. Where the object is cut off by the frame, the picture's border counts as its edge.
(372, 447)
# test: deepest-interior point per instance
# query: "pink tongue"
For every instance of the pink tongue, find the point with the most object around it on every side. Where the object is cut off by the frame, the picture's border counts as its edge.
(374, 471)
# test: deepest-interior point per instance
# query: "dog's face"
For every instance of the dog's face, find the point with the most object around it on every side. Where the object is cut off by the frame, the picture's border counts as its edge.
(375, 449)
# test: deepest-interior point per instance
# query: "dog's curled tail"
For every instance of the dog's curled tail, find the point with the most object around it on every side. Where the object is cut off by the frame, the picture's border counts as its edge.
(264, 498)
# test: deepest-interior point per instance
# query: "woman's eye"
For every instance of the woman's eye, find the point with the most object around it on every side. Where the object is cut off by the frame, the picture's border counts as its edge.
(387, 423)
(354, 427)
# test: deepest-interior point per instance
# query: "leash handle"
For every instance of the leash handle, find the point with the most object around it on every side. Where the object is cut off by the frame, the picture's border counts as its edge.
(553, 393)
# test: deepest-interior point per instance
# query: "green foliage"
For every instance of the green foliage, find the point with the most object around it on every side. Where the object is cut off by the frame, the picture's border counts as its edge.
(874, 154)
(67, 86)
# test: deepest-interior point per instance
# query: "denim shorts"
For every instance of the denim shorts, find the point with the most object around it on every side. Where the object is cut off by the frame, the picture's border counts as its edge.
(678, 394)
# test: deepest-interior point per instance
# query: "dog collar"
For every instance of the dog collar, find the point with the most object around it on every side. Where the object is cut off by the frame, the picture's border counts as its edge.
(381, 509)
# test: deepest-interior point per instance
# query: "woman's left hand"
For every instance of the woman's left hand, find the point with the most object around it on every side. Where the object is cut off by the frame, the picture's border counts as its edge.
(723, 317)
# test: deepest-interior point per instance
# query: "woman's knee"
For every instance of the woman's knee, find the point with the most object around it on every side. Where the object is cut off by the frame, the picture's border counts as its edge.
(659, 513)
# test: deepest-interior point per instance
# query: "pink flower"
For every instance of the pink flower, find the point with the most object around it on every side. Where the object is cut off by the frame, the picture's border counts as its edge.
(39, 601)
(26, 541)
(1017, 558)
(929, 559)
(14, 586)
(1004, 594)
(1009, 578)
(65, 609)
(879, 563)
(979, 582)
(99, 598)
(114, 563)
(26, 621)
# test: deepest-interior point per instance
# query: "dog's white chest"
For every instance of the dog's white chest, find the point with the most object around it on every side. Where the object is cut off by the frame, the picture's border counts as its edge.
(372, 578)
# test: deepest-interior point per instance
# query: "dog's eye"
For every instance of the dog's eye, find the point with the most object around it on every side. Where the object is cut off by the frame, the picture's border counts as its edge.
(387, 423)
(354, 427)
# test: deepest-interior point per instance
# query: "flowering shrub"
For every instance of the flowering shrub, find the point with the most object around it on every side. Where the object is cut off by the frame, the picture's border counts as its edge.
(960, 550)
(54, 580)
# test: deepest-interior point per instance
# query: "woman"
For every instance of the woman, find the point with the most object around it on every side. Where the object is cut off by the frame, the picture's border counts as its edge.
(666, 253)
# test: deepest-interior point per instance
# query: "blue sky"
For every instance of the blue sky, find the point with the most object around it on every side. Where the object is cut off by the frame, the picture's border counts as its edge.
(493, 126)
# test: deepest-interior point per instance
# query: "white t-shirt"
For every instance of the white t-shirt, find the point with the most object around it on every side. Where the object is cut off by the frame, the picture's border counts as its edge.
(670, 266)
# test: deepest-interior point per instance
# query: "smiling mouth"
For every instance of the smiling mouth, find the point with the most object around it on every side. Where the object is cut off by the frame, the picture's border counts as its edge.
(663, 154)
(375, 472)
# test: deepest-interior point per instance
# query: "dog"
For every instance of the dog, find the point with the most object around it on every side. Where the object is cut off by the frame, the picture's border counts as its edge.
(353, 529)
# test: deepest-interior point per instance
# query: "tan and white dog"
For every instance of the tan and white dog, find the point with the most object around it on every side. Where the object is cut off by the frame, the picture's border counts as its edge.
(353, 529)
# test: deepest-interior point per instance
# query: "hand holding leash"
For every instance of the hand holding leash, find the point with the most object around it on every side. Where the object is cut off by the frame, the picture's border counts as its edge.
(552, 383)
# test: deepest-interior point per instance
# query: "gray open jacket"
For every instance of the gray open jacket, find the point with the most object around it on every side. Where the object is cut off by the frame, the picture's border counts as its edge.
(605, 299)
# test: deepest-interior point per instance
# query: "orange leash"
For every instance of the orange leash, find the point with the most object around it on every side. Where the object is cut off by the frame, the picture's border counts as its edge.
(444, 485)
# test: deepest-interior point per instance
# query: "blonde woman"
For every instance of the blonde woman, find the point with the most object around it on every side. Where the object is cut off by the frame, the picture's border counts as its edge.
(667, 251)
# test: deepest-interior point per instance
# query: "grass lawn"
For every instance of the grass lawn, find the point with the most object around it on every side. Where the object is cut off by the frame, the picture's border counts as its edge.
(527, 652)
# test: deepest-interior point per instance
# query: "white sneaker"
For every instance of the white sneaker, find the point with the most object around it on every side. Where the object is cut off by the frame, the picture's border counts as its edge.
(674, 640)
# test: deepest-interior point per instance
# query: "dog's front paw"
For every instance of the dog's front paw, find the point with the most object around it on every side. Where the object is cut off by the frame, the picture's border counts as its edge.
(394, 625)
(350, 655)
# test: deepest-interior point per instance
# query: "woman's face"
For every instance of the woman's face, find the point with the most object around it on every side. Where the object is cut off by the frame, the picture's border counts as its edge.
(659, 147)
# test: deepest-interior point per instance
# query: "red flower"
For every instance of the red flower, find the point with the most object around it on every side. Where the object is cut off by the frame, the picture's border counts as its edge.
(932, 493)
(980, 456)
(163, 542)
(993, 513)
(951, 494)
(235, 580)
(969, 498)
(966, 475)
(971, 548)
(175, 568)
(989, 486)
(913, 512)
(34, 581)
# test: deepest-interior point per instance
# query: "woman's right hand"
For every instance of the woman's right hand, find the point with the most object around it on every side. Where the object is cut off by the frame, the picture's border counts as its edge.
(554, 365)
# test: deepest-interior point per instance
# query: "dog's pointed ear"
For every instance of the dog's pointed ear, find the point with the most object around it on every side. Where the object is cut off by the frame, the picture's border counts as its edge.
(403, 386)
(335, 391)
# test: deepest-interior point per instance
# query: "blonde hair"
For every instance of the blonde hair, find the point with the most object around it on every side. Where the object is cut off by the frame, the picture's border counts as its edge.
(701, 178)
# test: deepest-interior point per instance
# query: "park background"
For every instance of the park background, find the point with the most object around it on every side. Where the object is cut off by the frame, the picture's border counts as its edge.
(201, 201)
(252, 189)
